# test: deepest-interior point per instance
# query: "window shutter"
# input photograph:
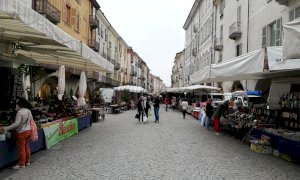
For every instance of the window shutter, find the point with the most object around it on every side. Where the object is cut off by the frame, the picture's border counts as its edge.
(297, 12)
(240, 49)
(65, 12)
(73, 16)
(79, 23)
(292, 15)
(264, 37)
(239, 13)
(278, 32)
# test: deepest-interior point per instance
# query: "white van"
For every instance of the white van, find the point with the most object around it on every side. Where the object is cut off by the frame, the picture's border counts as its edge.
(248, 100)
(218, 98)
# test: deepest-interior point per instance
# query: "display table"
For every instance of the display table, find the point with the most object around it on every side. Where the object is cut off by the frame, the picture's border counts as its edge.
(84, 122)
(9, 150)
(282, 144)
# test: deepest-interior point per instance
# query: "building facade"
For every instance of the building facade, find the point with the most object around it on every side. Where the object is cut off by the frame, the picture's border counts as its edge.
(244, 26)
(198, 39)
(177, 78)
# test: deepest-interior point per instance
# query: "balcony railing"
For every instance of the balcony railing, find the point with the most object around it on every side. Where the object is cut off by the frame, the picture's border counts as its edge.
(133, 73)
(282, 2)
(45, 8)
(94, 23)
(218, 44)
(117, 66)
(93, 44)
(235, 30)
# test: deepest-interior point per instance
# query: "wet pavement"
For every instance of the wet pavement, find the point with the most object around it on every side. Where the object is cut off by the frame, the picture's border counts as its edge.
(175, 148)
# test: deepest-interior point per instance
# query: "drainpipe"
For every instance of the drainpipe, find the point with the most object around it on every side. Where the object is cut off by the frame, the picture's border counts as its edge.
(248, 22)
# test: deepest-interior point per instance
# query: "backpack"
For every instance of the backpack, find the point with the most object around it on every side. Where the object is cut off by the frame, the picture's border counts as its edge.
(34, 131)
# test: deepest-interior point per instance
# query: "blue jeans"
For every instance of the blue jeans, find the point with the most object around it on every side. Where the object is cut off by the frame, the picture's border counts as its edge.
(156, 113)
(207, 123)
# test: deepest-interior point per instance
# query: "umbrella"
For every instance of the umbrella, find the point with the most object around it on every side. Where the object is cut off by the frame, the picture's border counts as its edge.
(82, 89)
(61, 82)
(134, 89)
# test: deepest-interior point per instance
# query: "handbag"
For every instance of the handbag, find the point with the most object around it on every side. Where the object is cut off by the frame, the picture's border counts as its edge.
(137, 116)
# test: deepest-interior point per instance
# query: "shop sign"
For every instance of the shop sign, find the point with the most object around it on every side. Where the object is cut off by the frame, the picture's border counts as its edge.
(60, 131)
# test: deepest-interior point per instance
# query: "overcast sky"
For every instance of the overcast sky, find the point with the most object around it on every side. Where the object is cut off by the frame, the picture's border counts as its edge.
(153, 28)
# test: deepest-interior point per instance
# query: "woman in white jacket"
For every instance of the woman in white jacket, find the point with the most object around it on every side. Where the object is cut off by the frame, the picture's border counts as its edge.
(23, 129)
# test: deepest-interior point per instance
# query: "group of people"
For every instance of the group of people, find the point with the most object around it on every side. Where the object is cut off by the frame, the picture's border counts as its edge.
(144, 106)
(221, 110)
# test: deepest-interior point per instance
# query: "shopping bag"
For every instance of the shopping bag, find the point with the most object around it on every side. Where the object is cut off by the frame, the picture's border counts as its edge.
(145, 119)
(34, 131)
(137, 116)
(149, 113)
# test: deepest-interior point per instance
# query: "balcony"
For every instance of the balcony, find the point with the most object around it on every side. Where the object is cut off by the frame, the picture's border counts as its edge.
(282, 2)
(133, 73)
(117, 66)
(235, 31)
(218, 44)
(45, 8)
(94, 23)
(93, 44)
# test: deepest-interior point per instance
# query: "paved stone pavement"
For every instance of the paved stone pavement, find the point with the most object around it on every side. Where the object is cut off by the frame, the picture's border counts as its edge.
(176, 148)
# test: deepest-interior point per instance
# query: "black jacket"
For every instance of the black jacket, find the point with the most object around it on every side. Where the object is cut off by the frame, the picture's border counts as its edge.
(209, 110)
(147, 106)
(156, 102)
(140, 106)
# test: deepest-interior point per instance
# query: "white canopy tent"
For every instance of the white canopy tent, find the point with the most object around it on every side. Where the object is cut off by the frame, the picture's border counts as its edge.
(134, 89)
(191, 88)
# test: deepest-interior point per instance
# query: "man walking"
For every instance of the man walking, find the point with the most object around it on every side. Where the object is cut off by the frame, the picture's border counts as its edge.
(156, 109)
(184, 106)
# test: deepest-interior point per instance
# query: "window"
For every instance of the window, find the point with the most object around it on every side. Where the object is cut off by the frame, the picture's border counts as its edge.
(271, 34)
(78, 23)
(222, 7)
(239, 9)
(239, 50)
(105, 35)
(67, 14)
(99, 28)
(109, 44)
(221, 32)
(294, 14)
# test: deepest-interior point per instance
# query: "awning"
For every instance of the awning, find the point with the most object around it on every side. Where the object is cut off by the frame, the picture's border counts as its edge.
(243, 67)
(40, 39)
(134, 89)
(291, 43)
(191, 88)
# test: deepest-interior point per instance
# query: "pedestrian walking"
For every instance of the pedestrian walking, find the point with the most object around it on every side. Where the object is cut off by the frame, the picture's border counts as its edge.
(222, 110)
(184, 106)
(141, 108)
(23, 129)
(147, 106)
(156, 109)
(209, 110)
(166, 101)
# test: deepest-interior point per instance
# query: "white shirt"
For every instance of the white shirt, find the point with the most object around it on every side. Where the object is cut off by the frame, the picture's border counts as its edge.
(22, 121)
(184, 105)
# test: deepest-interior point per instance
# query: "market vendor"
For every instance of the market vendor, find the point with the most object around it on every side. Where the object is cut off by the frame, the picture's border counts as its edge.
(222, 110)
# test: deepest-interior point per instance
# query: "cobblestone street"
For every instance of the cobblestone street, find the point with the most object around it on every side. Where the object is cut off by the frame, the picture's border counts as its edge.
(176, 148)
